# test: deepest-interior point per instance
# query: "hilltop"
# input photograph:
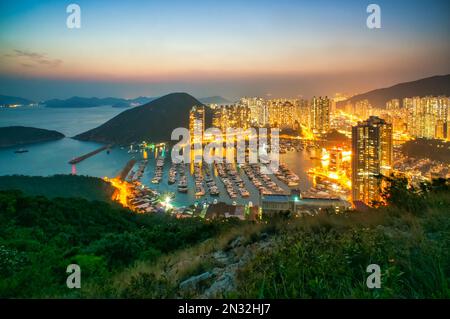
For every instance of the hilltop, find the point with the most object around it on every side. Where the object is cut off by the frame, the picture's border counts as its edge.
(435, 85)
(153, 121)
(20, 135)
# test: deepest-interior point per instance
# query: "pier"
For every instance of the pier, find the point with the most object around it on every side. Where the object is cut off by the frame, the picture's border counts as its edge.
(123, 175)
(85, 156)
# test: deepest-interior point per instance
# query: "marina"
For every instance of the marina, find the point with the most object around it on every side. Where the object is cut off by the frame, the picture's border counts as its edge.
(158, 170)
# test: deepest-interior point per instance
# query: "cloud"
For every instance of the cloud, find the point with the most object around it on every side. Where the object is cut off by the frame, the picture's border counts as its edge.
(34, 59)
(27, 65)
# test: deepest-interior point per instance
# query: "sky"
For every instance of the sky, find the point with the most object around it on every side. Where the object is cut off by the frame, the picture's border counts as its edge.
(229, 48)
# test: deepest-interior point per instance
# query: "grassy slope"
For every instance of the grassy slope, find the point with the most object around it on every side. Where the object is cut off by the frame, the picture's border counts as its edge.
(130, 256)
(327, 257)
(318, 257)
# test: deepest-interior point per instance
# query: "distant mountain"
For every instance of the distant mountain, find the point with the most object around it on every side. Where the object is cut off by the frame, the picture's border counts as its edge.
(121, 104)
(435, 85)
(153, 121)
(141, 100)
(20, 135)
(214, 100)
(14, 100)
(83, 102)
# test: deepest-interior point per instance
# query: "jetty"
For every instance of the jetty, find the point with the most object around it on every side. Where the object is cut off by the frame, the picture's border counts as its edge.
(123, 174)
(85, 156)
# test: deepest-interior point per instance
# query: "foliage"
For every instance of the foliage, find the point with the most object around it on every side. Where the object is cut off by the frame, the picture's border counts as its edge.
(40, 237)
(127, 255)
(327, 258)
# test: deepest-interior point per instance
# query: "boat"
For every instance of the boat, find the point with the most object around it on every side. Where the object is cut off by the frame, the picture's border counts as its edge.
(21, 150)
(182, 185)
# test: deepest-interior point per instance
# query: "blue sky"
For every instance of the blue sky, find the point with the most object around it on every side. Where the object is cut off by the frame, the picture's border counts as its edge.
(232, 48)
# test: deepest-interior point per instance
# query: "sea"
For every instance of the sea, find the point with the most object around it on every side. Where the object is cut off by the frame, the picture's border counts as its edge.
(50, 158)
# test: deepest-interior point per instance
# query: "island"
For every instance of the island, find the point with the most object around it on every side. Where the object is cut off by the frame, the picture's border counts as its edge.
(21, 135)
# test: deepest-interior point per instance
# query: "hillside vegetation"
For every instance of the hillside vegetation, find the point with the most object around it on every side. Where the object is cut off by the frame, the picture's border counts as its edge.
(40, 237)
(124, 255)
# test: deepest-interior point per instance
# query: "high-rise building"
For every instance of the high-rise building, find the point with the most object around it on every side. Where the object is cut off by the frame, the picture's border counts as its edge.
(363, 109)
(231, 116)
(258, 115)
(371, 156)
(283, 112)
(393, 105)
(320, 114)
(303, 112)
(427, 116)
(196, 130)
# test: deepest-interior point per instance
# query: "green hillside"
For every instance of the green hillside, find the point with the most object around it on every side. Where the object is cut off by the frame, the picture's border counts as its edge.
(40, 237)
(125, 255)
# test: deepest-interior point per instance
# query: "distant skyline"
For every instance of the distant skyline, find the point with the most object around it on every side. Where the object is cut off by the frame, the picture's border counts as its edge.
(205, 48)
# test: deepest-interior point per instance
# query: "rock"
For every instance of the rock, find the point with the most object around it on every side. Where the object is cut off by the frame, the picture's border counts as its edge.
(222, 257)
(237, 242)
(222, 285)
(192, 282)
(246, 256)
(217, 271)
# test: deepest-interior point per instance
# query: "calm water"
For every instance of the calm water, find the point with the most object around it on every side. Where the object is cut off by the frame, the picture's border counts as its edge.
(51, 158)
(69, 121)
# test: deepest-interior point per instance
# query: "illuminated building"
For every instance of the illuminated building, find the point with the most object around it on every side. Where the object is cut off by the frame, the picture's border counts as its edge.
(259, 114)
(363, 109)
(393, 105)
(296, 204)
(371, 156)
(348, 108)
(303, 112)
(338, 97)
(335, 166)
(196, 130)
(440, 130)
(283, 113)
(320, 115)
(427, 117)
(231, 116)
